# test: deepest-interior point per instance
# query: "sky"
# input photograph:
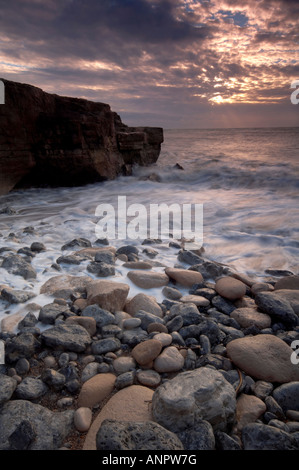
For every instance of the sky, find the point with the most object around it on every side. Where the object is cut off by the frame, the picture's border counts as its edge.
(168, 63)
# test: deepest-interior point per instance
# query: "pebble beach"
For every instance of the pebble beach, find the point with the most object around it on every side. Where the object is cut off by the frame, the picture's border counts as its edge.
(190, 355)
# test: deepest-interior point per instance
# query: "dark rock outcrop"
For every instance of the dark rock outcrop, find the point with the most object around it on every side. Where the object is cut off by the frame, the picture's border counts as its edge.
(46, 139)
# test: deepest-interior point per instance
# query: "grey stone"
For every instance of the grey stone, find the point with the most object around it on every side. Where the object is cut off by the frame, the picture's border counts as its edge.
(224, 305)
(23, 345)
(210, 329)
(262, 389)
(188, 257)
(150, 252)
(277, 307)
(90, 370)
(147, 318)
(16, 296)
(106, 257)
(199, 437)
(37, 247)
(110, 330)
(101, 269)
(206, 292)
(214, 360)
(190, 360)
(7, 387)
(286, 396)
(130, 323)
(53, 379)
(194, 395)
(274, 408)
(133, 336)
(48, 429)
(125, 380)
(276, 423)
(128, 435)
(103, 346)
(101, 316)
(189, 313)
(190, 331)
(211, 270)
(257, 436)
(67, 337)
(64, 359)
(102, 241)
(22, 436)
(223, 318)
(83, 242)
(22, 366)
(31, 388)
(205, 345)
(177, 339)
(48, 313)
(29, 320)
(226, 442)
(175, 324)
(127, 249)
(70, 259)
(72, 383)
(15, 264)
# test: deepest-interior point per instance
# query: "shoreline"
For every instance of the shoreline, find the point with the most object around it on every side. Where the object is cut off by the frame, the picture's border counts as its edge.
(98, 341)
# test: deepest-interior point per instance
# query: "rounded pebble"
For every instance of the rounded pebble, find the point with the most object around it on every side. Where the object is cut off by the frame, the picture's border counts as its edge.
(82, 419)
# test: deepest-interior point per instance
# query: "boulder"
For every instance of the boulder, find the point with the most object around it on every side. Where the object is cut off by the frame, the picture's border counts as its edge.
(258, 436)
(148, 279)
(199, 437)
(132, 435)
(17, 265)
(248, 316)
(64, 282)
(67, 337)
(109, 295)
(230, 288)
(265, 357)
(202, 394)
(286, 395)
(49, 312)
(28, 426)
(144, 302)
(280, 305)
(13, 296)
(184, 277)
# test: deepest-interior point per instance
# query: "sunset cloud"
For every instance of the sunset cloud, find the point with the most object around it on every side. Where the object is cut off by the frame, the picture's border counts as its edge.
(162, 62)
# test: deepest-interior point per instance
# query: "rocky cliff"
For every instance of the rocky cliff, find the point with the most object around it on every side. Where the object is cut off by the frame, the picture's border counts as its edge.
(46, 139)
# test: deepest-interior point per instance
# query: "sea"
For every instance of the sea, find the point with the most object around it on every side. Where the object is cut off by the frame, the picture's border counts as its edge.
(245, 180)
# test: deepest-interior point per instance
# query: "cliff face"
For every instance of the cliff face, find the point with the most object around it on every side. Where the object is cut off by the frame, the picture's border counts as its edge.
(46, 139)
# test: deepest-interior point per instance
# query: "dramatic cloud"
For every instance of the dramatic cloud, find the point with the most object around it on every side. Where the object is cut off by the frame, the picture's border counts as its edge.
(184, 63)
